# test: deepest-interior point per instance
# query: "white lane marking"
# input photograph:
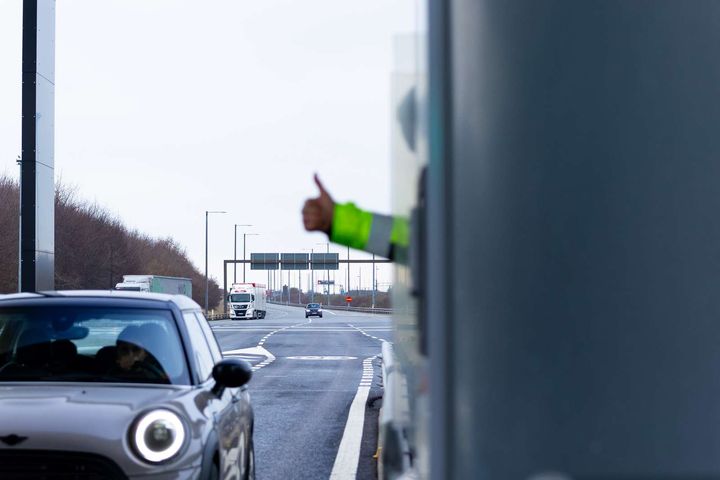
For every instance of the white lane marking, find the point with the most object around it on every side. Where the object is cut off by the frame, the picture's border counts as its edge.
(315, 327)
(346, 461)
(307, 330)
(368, 335)
(269, 357)
(250, 352)
(321, 357)
(262, 340)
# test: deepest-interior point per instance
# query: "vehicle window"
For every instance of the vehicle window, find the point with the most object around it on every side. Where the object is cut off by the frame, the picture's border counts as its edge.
(240, 297)
(90, 344)
(210, 335)
(201, 351)
(313, 305)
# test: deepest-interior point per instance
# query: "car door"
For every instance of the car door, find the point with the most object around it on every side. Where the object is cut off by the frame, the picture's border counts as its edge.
(225, 415)
(240, 398)
(240, 401)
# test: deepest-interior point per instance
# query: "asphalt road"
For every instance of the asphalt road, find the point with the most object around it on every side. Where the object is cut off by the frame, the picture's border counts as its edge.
(307, 374)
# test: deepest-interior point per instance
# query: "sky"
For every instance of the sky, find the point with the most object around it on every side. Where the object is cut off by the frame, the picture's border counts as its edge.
(165, 109)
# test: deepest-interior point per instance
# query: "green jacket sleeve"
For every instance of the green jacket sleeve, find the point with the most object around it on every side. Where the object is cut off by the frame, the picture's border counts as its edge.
(372, 232)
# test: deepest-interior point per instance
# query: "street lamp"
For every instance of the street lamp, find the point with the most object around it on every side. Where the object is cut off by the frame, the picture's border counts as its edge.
(235, 254)
(312, 277)
(327, 274)
(207, 285)
(245, 235)
(373, 280)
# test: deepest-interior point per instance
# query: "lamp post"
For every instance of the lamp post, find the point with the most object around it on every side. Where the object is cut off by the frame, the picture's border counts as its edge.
(245, 235)
(373, 280)
(327, 275)
(207, 285)
(235, 254)
(312, 279)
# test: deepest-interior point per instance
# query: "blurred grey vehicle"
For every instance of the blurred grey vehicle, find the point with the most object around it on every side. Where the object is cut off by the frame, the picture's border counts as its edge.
(115, 385)
(313, 309)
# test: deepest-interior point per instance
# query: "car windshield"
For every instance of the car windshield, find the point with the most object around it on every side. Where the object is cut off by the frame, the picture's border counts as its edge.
(313, 305)
(240, 297)
(77, 344)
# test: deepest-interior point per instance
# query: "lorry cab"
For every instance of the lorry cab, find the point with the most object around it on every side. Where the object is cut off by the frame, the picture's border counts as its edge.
(246, 301)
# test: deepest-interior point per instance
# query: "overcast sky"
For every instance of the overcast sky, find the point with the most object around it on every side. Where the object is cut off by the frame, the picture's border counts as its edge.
(168, 108)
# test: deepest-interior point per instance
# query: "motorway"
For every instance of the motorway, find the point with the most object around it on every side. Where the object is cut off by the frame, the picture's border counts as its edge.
(308, 373)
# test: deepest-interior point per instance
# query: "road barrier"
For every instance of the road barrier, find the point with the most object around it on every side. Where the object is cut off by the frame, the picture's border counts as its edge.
(381, 311)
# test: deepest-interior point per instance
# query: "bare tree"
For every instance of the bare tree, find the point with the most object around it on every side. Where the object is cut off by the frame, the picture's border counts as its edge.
(92, 248)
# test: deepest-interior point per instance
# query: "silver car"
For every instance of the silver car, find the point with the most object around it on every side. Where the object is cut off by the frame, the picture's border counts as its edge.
(116, 385)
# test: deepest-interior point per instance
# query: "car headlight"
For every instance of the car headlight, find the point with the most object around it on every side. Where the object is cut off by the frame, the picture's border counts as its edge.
(158, 435)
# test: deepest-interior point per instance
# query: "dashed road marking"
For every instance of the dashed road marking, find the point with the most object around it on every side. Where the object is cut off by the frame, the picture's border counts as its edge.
(321, 357)
(269, 357)
(368, 335)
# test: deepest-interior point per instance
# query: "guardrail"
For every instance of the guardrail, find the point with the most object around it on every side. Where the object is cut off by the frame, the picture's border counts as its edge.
(381, 311)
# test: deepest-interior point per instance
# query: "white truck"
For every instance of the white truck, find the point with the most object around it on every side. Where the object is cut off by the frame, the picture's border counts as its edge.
(157, 284)
(246, 300)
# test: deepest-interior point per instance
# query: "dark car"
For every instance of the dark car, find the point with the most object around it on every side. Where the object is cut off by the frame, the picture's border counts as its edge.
(118, 385)
(313, 309)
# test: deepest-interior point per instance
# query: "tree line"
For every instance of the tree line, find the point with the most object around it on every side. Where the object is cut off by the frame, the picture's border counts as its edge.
(93, 249)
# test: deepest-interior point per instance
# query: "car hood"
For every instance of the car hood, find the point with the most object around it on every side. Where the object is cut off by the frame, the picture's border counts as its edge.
(89, 418)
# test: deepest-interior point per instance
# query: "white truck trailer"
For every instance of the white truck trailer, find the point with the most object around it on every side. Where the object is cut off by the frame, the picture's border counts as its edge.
(157, 284)
(246, 300)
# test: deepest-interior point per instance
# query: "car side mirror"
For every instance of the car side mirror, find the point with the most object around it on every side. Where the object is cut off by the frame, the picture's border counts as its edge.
(231, 373)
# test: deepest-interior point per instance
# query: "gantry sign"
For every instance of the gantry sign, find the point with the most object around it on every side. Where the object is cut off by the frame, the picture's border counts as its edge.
(293, 261)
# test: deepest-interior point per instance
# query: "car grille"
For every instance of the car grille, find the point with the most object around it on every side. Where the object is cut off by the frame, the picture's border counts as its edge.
(51, 465)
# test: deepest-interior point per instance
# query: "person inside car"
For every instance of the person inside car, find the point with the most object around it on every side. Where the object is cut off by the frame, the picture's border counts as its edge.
(133, 358)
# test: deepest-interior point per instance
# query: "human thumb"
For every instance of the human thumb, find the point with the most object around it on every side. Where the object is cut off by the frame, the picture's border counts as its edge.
(323, 193)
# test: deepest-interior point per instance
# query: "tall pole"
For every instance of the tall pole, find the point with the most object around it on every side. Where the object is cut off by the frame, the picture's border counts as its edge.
(373, 280)
(244, 236)
(206, 262)
(312, 278)
(36, 265)
(207, 284)
(327, 278)
(235, 256)
(348, 272)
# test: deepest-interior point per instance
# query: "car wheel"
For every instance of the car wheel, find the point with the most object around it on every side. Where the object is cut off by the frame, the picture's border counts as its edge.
(321, 315)
(250, 471)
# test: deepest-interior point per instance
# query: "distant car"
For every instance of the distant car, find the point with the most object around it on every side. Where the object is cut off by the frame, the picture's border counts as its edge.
(313, 309)
(119, 385)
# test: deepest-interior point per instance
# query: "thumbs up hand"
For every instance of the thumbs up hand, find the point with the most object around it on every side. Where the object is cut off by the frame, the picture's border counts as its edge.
(317, 212)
